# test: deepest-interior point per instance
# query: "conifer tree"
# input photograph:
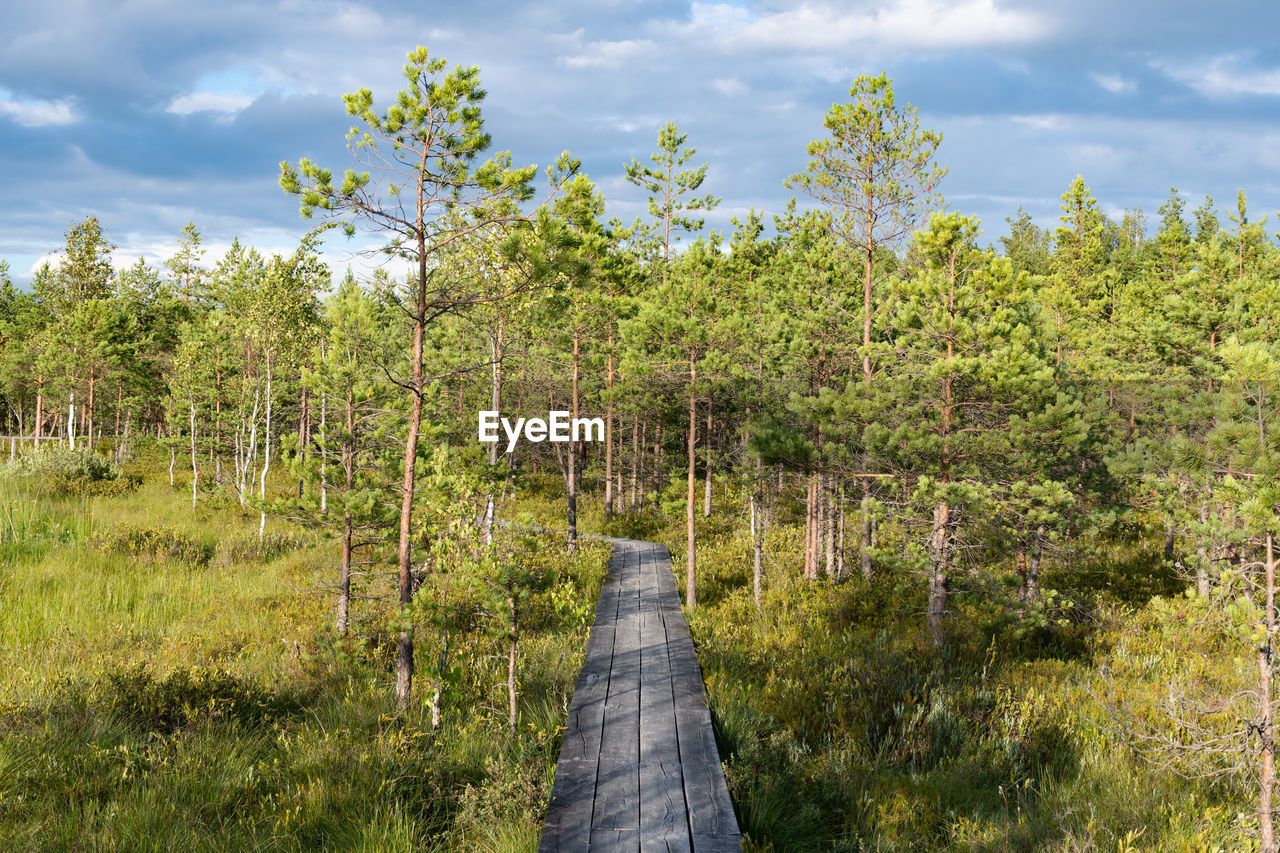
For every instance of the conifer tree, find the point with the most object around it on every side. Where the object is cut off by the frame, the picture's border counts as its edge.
(431, 192)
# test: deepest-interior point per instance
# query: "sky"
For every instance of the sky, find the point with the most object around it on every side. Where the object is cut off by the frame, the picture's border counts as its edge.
(150, 114)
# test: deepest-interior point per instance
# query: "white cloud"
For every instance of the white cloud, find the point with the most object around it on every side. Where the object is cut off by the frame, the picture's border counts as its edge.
(30, 112)
(1042, 121)
(897, 23)
(730, 86)
(227, 103)
(1114, 83)
(608, 54)
(1226, 75)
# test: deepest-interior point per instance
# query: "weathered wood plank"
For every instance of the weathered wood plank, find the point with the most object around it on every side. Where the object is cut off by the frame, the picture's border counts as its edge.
(639, 769)
(664, 820)
(615, 820)
(711, 819)
(568, 823)
(586, 709)
(567, 828)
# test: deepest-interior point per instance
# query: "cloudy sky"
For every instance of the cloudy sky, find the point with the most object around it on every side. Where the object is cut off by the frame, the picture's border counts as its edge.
(149, 113)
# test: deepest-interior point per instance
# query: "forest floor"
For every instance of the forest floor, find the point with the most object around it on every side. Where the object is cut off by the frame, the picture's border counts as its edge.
(170, 681)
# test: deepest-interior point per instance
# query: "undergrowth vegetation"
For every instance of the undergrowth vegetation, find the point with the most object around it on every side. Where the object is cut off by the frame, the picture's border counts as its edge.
(843, 727)
(172, 681)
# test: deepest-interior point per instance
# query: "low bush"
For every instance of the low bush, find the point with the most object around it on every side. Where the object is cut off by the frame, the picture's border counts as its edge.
(253, 548)
(70, 472)
(152, 543)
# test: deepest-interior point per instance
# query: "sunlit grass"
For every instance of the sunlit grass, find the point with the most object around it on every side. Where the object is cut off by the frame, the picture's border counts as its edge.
(151, 701)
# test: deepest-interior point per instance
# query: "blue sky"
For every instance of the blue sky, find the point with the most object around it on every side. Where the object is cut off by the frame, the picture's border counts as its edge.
(148, 114)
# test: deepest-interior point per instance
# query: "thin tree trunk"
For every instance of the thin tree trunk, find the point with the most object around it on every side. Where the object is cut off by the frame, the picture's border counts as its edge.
(572, 475)
(757, 541)
(324, 447)
(511, 666)
(404, 649)
(657, 465)
(608, 433)
(840, 564)
(195, 471)
(266, 454)
(495, 403)
(865, 545)
(349, 481)
(830, 512)
(89, 411)
(636, 458)
(939, 568)
(1202, 554)
(1267, 763)
(38, 432)
(691, 591)
(706, 492)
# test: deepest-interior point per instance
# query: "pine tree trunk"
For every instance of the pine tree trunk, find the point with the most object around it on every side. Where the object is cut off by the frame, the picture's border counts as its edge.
(404, 645)
(572, 476)
(38, 432)
(1267, 753)
(1033, 569)
(89, 410)
(349, 482)
(865, 545)
(808, 528)
(195, 471)
(657, 465)
(829, 506)
(608, 434)
(841, 568)
(324, 447)
(511, 666)
(495, 403)
(757, 542)
(1202, 555)
(939, 568)
(635, 458)
(706, 492)
(691, 593)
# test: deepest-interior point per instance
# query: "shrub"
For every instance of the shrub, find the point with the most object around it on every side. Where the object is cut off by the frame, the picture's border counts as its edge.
(252, 549)
(61, 463)
(71, 472)
(186, 696)
(152, 543)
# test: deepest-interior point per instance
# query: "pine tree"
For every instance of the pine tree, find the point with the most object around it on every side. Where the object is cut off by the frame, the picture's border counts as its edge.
(426, 146)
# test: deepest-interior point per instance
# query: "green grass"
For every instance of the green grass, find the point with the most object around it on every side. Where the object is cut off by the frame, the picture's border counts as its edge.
(167, 682)
(843, 728)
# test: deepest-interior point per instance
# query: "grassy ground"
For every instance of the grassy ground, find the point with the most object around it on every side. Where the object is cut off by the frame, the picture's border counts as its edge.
(167, 683)
(843, 728)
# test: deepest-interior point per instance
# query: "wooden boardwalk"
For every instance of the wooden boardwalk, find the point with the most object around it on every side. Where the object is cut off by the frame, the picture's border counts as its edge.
(638, 769)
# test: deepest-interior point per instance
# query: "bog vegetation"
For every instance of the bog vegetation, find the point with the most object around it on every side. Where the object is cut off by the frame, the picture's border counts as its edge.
(977, 542)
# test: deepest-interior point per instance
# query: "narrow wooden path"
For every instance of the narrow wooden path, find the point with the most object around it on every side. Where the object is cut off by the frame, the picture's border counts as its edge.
(639, 769)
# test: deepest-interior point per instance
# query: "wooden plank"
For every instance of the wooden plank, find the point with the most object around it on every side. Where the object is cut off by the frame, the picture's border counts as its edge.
(686, 676)
(712, 823)
(639, 769)
(615, 819)
(586, 709)
(568, 822)
(567, 827)
(664, 819)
